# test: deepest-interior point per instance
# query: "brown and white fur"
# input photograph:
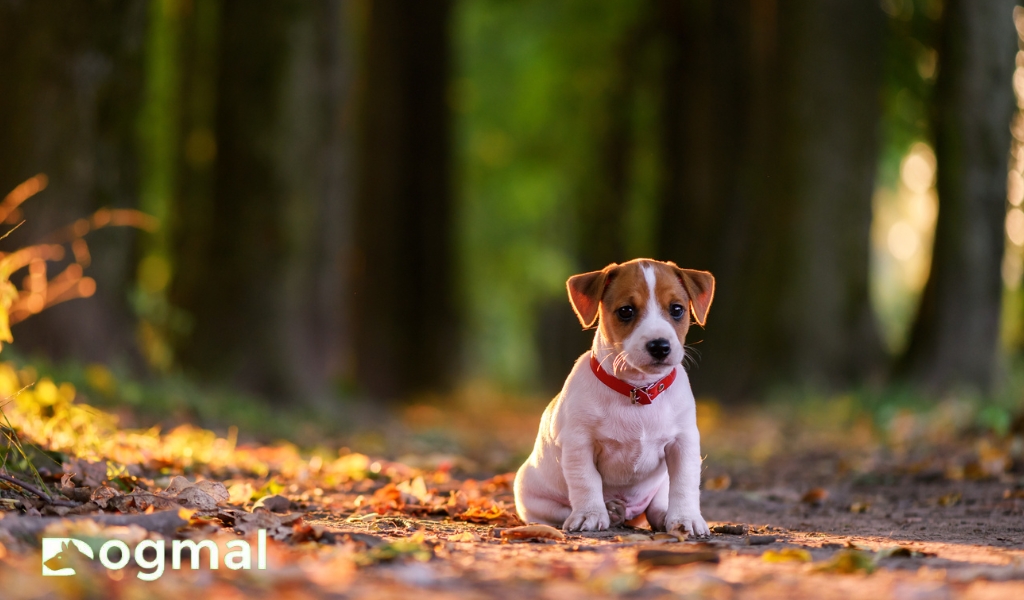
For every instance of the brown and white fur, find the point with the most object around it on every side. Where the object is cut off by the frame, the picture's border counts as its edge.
(597, 455)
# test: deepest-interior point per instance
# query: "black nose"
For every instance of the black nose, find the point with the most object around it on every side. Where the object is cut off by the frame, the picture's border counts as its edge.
(659, 348)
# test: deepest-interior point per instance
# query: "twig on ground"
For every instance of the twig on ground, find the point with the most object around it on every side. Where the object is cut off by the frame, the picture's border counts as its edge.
(37, 492)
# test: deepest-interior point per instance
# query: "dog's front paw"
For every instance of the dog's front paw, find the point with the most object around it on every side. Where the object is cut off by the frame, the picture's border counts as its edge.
(588, 519)
(693, 524)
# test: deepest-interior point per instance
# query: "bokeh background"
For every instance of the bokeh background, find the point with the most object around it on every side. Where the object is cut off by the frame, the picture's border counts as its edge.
(349, 208)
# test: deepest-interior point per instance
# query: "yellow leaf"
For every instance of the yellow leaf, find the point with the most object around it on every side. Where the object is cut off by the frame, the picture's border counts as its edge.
(786, 555)
(848, 561)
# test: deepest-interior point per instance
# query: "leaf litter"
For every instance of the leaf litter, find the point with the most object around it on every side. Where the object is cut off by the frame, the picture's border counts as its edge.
(365, 526)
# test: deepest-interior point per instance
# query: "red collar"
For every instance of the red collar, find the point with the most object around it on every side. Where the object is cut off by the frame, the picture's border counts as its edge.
(638, 395)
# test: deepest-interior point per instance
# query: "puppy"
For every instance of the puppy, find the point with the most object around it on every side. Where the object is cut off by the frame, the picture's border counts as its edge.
(621, 439)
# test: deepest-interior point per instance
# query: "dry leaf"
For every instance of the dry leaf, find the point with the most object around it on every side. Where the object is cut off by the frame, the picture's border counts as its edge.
(215, 489)
(669, 536)
(633, 537)
(103, 494)
(786, 555)
(848, 561)
(722, 482)
(177, 485)
(902, 552)
(672, 558)
(416, 489)
(533, 532)
(277, 503)
(194, 497)
(815, 496)
(465, 536)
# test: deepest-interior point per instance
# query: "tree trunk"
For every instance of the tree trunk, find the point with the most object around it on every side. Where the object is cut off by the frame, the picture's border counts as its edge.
(72, 74)
(954, 338)
(405, 307)
(267, 263)
(771, 164)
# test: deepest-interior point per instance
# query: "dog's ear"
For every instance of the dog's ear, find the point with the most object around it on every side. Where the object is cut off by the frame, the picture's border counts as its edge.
(700, 287)
(585, 291)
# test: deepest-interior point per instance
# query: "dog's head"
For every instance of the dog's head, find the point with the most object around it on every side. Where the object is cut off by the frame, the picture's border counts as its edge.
(643, 309)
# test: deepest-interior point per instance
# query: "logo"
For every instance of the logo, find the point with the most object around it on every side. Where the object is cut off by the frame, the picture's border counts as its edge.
(62, 555)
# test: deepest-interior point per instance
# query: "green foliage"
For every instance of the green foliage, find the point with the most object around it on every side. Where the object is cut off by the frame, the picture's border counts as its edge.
(911, 64)
(174, 398)
(531, 94)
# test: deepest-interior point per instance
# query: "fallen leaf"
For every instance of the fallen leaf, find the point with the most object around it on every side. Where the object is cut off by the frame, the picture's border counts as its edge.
(415, 488)
(786, 555)
(276, 503)
(533, 532)
(728, 529)
(465, 536)
(848, 561)
(215, 489)
(815, 496)
(495, 515)
(139, 501)
(722, 482)
(414, 548)
(950, 499)
(177, 485)
(859, 507)
(194, 497)
(902, 552)
(670, 536)
(672, 558)
(633, 537)
(103, 494)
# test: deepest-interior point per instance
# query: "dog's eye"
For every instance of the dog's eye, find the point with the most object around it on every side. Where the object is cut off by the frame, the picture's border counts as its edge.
(625, 313)
(676, 311)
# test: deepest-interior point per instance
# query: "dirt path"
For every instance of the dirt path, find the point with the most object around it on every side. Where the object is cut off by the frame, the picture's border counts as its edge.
(973, 547)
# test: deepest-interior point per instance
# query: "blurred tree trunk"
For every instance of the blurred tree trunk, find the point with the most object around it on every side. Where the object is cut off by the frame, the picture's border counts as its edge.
(604, 201)
(954, 339)
(405, 307)
(72, 77)
(264, 268)
(771, 143)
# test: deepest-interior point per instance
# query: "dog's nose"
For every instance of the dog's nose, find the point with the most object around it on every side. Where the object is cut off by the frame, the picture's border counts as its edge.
(659, 348)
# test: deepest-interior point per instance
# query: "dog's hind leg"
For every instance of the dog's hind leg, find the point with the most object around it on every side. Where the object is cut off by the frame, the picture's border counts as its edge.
(533, 509)
(657, 510)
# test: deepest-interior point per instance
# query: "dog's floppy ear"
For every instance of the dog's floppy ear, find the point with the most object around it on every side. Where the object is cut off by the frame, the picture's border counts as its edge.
(700, 287)
(585, 291)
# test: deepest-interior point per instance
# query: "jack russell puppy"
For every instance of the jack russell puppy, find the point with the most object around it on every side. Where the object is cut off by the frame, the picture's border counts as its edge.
(621, 439)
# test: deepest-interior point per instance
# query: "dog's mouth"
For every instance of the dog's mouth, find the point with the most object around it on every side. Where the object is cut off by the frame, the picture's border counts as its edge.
(654, 367)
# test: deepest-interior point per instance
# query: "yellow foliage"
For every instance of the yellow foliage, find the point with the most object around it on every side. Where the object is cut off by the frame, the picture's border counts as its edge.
(786, 555)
